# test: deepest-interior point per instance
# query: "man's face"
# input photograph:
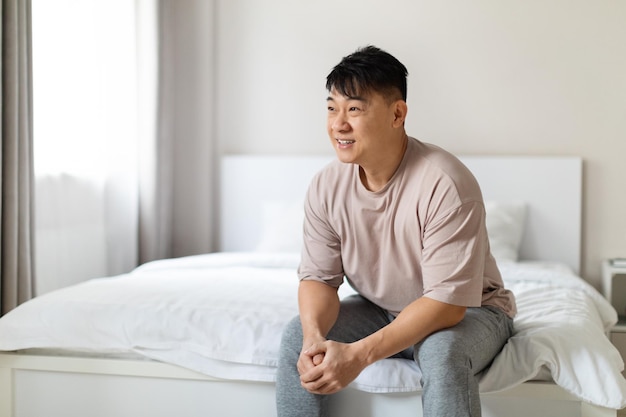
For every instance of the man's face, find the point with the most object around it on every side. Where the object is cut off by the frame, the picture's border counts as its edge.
(360, 127)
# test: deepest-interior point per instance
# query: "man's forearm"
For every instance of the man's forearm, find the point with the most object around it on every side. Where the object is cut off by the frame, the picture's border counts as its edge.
(319, 307)
(418, 320)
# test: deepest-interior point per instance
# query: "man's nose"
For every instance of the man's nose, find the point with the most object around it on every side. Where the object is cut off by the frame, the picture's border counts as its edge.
(340, 122)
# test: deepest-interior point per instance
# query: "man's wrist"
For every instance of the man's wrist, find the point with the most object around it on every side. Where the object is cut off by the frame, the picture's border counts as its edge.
(311, 339)
(364, 351)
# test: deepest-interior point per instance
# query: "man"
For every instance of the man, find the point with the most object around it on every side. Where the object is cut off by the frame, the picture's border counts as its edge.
(404, 222)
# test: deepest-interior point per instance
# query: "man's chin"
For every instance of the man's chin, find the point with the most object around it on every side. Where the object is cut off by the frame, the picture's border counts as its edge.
(345, 157)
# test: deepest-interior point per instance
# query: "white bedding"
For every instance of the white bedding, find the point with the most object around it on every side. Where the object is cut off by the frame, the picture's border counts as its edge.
(222, 315)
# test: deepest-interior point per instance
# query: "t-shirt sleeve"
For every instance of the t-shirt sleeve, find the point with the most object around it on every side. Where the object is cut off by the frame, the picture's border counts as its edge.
(454, 251)
(321, 248)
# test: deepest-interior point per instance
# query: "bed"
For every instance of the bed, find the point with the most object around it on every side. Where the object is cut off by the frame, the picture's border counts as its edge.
(198, 335)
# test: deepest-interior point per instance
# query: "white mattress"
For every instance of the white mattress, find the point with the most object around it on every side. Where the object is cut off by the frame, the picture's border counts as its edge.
(223, 314)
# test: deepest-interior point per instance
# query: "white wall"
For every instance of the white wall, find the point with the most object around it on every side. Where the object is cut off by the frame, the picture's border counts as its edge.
(485, 77)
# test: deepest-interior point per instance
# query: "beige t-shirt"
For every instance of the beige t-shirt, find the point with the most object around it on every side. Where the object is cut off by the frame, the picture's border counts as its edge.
(423, 234)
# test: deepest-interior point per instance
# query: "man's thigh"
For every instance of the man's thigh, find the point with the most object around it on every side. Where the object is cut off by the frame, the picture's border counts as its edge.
(477, 338)
(358, 318)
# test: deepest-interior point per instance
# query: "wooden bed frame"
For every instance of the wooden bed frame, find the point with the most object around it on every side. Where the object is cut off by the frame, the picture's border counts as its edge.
(51, 385)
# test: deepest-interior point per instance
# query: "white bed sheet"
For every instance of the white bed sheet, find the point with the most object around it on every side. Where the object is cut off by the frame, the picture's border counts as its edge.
(222, 314)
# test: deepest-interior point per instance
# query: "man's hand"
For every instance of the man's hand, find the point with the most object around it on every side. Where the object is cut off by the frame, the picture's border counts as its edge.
(306, 362)
(327, 367)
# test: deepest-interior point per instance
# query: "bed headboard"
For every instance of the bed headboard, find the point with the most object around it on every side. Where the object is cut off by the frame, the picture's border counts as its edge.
(551, 187)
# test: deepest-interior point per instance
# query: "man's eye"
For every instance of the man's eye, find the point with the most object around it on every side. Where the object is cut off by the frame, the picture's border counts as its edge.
(331, 108)
(354, 109)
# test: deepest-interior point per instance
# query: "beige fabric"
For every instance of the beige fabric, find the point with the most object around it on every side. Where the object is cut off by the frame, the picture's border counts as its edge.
(16, 206)
(423, 234)
(178, 156)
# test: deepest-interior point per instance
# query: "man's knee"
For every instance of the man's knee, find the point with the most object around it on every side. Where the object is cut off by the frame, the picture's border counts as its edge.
(292, 335)
(440, 352)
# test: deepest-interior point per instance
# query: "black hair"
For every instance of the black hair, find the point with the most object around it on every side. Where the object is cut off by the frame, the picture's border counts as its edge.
(369, 68)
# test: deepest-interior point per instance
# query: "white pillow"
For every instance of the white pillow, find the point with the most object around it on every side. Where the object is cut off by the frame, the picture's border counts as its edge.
(505, 227)
(282, 228)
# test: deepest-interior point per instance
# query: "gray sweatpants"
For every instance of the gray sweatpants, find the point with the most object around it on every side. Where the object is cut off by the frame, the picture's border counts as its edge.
(449, 359)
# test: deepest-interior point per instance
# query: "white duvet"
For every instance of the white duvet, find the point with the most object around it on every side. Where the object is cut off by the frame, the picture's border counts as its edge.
(222, 315)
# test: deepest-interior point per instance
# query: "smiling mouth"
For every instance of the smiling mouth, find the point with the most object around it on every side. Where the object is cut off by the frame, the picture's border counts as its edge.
(345, 142)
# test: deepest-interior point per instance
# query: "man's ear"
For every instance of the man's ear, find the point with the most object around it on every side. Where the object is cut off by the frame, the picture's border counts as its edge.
(400, 111)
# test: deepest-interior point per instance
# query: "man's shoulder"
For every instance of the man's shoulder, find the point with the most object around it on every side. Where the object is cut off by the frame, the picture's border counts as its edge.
(435, 159)
(437, 164)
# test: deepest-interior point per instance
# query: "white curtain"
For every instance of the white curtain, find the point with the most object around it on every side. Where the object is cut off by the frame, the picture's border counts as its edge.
(108, 145)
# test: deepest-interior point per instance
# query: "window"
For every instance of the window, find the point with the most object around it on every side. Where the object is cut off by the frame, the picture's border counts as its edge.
(85, 101)
(86, 129)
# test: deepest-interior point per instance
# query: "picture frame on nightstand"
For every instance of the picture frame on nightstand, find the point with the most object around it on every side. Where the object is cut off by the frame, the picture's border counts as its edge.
(614, 289)
(614, 285)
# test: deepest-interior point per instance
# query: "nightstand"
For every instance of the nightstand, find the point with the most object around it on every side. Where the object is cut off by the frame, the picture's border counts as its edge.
(614, 289)
(614, 285)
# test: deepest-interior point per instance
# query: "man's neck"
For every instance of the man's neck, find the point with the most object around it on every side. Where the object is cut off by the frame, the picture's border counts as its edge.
(375, 176)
